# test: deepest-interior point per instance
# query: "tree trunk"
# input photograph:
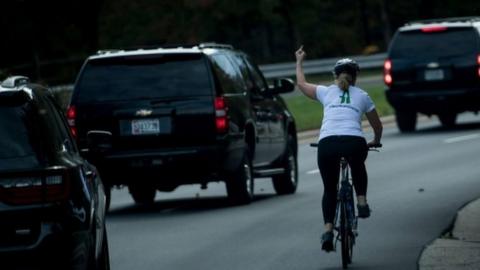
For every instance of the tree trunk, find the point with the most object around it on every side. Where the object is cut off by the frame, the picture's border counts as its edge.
(364, 18)
(387, 30)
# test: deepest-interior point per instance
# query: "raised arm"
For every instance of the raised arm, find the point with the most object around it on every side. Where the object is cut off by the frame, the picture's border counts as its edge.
(307, 88)
(377, 126)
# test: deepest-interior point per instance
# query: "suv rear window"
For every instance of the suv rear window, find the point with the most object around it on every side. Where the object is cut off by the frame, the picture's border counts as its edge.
(448, 43)
(144, 77)
(20, 140)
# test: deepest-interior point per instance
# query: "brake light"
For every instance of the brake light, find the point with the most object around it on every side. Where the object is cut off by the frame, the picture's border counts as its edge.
(71, 116)
(221, 119)
(433, 29)
(47, 186)
(387, 72)
(478, 63)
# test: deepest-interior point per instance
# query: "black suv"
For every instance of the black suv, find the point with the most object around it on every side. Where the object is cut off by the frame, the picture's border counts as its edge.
(52, 201)
(433, 67)
(154, 119)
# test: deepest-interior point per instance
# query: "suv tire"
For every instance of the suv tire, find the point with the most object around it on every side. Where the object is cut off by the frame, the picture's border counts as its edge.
(406, 120)
(240, 182)
(286, 183)
(103, 262)
(142, 194)
(447, 119)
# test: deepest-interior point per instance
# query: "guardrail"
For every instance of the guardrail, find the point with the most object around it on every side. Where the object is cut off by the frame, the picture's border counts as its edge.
(277, 70)
(320, 65)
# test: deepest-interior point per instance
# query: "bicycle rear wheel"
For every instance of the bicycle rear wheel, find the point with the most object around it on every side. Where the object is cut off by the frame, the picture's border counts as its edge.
(345, 237)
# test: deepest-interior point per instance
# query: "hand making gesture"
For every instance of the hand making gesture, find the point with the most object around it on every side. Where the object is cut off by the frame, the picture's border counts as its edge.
(300, 54)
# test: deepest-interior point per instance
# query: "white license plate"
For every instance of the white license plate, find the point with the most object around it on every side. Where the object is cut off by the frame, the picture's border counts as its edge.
(145, 127)
(434, 75)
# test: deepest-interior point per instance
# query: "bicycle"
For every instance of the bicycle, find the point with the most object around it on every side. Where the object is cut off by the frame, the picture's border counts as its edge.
(347, 229)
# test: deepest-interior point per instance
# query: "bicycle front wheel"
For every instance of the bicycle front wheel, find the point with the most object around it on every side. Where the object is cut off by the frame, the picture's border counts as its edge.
(345, 237)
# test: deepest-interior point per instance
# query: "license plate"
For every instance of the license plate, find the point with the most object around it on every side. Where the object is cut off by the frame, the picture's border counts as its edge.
(434, 75)
(145, 127)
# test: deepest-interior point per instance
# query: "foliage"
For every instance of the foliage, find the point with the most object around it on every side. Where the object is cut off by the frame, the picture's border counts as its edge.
(49, 39)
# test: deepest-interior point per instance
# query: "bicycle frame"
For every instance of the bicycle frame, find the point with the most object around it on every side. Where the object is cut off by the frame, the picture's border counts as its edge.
(347, 227)
(345, 197)
(345, 211)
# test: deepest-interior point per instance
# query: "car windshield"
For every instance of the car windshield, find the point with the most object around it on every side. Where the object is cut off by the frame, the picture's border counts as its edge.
(450, 43)
(19, 146)
(144, 77)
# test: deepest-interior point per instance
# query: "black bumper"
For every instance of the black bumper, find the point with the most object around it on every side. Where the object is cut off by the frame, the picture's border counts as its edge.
(175, 166)
(435, 101)
(41, 245)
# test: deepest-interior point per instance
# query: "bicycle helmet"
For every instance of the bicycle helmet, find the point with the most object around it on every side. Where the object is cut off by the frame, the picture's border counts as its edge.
(346, 65)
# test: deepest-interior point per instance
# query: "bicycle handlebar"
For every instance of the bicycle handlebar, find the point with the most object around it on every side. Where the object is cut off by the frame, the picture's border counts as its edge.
(378, 145)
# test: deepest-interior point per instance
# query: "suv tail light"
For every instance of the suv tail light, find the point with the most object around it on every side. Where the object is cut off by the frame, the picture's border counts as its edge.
(433, 29)
(221, 119)
(71, 116)
(41, 186)
(478, 63)
(387, 72)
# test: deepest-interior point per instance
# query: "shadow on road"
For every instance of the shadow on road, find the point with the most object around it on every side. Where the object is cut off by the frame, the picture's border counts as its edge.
(457, 127)
(180, 206)
(440, 129)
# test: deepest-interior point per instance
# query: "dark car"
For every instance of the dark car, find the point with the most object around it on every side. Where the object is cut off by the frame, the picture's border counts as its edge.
(159, 118)
(433, 68)
(52, 201)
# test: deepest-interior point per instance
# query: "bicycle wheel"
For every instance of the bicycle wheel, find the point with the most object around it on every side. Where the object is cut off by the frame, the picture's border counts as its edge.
(345, 237)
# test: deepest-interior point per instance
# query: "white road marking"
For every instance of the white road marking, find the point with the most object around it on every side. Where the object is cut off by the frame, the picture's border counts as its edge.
(313, 171)
(462, 138)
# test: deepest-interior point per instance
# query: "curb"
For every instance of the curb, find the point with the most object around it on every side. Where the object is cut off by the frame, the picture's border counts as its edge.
(459, 248)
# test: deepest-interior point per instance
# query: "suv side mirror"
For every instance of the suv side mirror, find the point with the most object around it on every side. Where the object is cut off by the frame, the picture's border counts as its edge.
(281, 86)
(99, 141)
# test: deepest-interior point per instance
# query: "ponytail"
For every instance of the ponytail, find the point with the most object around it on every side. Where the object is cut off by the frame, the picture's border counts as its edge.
(344, 80)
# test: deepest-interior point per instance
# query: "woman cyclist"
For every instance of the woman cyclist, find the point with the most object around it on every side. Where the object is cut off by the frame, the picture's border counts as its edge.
(341, 135)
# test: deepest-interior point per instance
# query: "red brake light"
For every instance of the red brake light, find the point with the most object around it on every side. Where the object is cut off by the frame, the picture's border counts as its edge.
(388, 79)
(387, 72)
(37, 187)
(478, 62)
(71, 115)
(432, 29)
(221, 119)
(221, 124)
(71, 112)
(387, 65)
(219, 103)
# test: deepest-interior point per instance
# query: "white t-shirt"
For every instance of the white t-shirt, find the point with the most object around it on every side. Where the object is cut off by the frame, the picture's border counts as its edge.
(343, 110)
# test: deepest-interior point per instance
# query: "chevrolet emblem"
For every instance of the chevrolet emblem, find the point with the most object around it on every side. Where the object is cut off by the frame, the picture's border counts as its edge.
(433, 65)
(143, 112)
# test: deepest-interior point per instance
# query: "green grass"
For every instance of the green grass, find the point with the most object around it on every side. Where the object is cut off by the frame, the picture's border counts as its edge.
(308, 113)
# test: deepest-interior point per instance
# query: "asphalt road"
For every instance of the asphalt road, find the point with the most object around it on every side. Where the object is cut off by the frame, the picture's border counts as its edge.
(416, 184)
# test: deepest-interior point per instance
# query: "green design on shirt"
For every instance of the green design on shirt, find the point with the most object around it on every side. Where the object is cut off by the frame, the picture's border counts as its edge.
(345, 98)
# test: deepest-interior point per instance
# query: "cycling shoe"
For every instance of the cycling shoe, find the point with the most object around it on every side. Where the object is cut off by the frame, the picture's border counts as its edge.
(327, 241)
(363, 211)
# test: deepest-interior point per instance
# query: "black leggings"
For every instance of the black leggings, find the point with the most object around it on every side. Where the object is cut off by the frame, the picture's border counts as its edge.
(330, 150)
